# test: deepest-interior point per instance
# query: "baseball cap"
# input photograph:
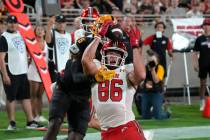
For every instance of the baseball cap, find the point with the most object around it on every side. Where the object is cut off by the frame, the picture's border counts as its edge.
(12, 19)
(60, 18)
(206, 22)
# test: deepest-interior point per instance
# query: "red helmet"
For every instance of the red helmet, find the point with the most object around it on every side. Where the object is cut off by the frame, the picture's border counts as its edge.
(117, 47)
(87, 15)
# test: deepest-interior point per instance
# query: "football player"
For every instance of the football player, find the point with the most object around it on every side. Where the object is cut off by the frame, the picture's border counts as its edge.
(112, 95)
(72, 92)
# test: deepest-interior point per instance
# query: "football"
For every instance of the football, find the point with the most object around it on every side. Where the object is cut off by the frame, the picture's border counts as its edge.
(115, 33)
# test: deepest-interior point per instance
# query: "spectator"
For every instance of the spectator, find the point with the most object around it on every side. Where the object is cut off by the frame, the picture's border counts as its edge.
(202, 7)
(207, 6)
(146, 7)
(117, 4)
(59, 42)
(82, 4)
(195, 11)
(130, 6)
(152, 98)
(36, 86)
(159, 44)
(165, 5)
(174, 10)
(158, 7)
(202, 65)
(102, 6)
(117, 14)
(3, 10)
(67, 4)
(77, 23)
(13, 50)
(30, 2)
(39, 10)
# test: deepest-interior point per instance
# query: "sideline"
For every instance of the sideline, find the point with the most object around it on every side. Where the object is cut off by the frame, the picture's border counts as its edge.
(157, 134)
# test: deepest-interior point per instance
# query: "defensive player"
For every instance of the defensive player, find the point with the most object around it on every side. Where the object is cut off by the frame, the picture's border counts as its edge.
(73, 89)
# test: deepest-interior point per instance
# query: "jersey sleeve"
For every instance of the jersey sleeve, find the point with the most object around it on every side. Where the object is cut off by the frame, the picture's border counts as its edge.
(3, 44)
(148, 40)
(160, 72)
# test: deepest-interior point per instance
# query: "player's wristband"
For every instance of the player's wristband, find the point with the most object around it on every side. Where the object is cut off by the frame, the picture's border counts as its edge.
(135, 47)
(97, 36)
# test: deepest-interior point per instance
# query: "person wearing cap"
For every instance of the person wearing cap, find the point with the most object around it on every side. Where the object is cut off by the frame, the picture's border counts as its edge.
(14, 76)
(59, 42)
(202, 64)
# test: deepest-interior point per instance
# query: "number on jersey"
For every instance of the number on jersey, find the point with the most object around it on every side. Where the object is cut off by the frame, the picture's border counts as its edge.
(110, 90)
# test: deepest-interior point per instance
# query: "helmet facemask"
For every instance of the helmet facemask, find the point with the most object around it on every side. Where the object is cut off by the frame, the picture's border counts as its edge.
(87, 24)
(88, 17)
(113, 57)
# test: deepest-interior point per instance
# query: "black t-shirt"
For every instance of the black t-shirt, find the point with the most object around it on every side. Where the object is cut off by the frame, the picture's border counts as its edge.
(202, 45)
(3, 44)
(74, 81)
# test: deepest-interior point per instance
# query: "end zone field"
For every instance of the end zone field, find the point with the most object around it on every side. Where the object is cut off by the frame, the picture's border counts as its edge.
(186, 124)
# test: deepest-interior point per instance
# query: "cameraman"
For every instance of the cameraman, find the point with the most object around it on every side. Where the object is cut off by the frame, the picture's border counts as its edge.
(152, 89)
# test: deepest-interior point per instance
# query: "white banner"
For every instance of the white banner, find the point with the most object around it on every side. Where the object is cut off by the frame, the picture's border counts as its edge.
(186, 30)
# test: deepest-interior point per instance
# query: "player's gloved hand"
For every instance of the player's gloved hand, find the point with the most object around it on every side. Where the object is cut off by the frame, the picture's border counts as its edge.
(134, 35)
(104, 28)
(104, 74)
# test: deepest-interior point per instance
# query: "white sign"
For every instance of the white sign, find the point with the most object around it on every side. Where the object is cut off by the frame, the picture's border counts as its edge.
(186, 30)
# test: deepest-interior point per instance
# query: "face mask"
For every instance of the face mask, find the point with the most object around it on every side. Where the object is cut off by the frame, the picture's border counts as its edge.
(159, 34)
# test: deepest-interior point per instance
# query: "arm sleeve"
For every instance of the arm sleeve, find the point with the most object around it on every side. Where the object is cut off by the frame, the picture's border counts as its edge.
(3, 44)
(197, 46)
(169, 45)
(160, 72)
(148, 40)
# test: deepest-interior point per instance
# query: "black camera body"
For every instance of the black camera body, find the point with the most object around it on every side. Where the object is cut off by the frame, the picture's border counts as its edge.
(152, 64)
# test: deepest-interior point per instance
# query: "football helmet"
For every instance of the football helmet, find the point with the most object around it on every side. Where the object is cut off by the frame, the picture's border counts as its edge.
(113, 54)
(88, 16)
(99, 21)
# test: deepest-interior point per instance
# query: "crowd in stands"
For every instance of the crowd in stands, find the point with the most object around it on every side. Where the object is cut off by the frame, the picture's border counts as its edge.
(170, 7)
(190, 8)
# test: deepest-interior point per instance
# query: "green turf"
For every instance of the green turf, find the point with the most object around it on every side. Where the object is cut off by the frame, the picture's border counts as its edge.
(182, 116)
(196, 139)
